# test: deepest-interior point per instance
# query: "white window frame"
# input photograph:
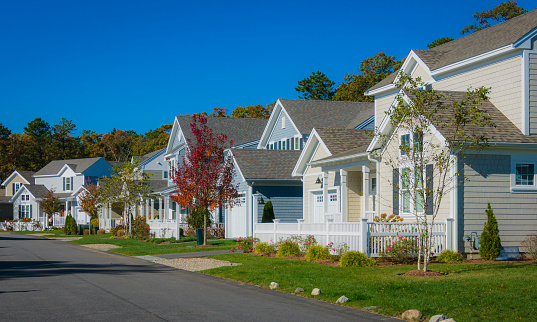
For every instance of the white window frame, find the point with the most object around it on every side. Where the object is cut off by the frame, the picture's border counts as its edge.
(523, 188)
(297, 142)
(283, 144)
(401, 135)
(68, 184)
(410, 214)
(373, 177)
(283, 122)
(18, 185)
(25, 211)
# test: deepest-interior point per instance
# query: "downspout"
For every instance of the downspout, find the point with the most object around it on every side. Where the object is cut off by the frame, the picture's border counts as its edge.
(377, 169)
(455, 202)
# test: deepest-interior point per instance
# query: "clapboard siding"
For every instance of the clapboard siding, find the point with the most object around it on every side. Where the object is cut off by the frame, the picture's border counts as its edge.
(533, 92)
(278, 133)
(286, 202)
(489, 181)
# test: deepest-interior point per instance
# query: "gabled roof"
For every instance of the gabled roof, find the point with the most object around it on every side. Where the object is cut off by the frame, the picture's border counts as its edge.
(507, 33)
(148, 156)
(77, 165)
(344, 142)
(240, 130)
(266, 164)
(158, 185)
(37, 190)
(26, 175)
(309, 114)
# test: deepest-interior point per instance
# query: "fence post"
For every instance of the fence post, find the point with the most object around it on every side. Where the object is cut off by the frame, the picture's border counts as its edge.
(363, 236)
(449, 234)
(328, 221)
(276, 221)
(300, 221)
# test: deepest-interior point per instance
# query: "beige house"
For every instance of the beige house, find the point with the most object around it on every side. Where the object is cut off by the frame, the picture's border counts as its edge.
(11, 185)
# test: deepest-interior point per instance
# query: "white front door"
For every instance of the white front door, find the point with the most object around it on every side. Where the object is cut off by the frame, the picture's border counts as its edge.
(238, 223)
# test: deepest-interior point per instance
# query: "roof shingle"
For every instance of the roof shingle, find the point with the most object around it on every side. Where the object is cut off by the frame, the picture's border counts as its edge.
(266, 164)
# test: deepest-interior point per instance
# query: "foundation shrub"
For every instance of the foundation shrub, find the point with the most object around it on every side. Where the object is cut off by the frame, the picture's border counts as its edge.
(449, 256)
(70, 227)
(264, 248)
(246, 244)
(101, 232)
(317, 252)
(355, 259)
(140, 228)
(288, 247)
(530, 243)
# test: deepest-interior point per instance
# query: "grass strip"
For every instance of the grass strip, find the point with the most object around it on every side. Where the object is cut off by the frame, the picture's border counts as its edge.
(470, 292)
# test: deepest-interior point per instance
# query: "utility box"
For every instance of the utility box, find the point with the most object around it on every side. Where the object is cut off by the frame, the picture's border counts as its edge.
(199, 236)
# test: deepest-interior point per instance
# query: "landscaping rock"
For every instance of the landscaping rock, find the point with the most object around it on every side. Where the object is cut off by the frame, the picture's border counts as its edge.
(315, 291)
(412, 315)
(369, 308)
(299, 290)
(437, 318)
(274, 285)
(342, 299)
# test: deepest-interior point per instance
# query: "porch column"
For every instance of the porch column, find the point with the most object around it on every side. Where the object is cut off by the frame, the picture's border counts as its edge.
(344, 196)
(160, 209)
(325, 193)
(166, 208)
(365, 182)
(109, 216)
(152, 214)
(146, 209)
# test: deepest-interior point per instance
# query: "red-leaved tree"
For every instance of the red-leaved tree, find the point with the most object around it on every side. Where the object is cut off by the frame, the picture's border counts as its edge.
(203, 182)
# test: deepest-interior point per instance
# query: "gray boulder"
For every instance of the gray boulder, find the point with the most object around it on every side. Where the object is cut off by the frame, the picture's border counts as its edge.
(299, 290)
(342, 299)
(315, 291)
(438, 318)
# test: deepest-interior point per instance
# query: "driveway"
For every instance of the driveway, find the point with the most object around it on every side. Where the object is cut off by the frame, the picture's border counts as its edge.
(50, 280)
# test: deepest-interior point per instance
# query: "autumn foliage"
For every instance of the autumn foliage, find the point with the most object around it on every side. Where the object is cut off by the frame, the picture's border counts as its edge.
(204, 178)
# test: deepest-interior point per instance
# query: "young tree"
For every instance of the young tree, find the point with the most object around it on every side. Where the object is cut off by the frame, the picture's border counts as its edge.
(500, 13)
(425, 163)
(204, 179)
(50, 204)
(372, 70)
(490, 237)
(316, 87)
(89, 200)
(127, 186)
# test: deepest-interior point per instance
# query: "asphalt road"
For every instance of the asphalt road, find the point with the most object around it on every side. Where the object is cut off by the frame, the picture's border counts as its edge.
(51, 280)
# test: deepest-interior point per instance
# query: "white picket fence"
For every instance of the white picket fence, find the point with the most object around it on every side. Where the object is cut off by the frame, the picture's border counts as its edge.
(368, 237)
(168, 229)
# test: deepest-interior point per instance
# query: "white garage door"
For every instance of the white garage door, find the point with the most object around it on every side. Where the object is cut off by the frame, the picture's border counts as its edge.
(238, 224)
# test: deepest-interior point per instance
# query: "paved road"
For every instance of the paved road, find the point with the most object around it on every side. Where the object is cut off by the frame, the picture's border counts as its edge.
(50, 280)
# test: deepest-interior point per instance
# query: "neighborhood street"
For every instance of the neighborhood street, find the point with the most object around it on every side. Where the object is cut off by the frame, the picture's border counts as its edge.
(51, 280)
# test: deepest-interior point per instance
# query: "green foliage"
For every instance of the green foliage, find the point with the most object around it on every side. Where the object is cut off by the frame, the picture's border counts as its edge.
(317, 252)
(371, 71)
(490, 237)
(316, 87)
(449, 256)
(119, 230)
(140, 228)
(95, 222)
(195, 218)
(246, 244)
(401, 250)
(70, 227)
(253, 111)
(264, 248)
(50, 203)
(440, 41)
(288, 247)
(268, 213)
(500, 13)
(354, 259)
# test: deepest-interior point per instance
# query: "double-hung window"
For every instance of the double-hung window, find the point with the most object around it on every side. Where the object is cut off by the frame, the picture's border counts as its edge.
(412, 193)
(523, 175)
(68, 183)
(405, 144)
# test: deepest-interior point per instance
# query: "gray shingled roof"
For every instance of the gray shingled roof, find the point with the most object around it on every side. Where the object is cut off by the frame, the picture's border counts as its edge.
(240, 130)
(158, 185)
(480, 42)
(37, 190)
(28, 175)
(504, 132)
(344, 142)
(309, 114)
(148, 156)
(266, 164)
(78, 166)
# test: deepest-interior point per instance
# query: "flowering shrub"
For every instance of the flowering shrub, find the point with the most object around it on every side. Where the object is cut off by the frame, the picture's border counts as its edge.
(306, 243)
(353, 258)
(401, 250)
(140, 228)
(264, 248)
(318, 252)
(288, 247)
(246, 244)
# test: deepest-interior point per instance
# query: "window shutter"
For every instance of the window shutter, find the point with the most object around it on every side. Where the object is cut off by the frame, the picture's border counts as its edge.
(20, 210)
(63, 183)
(287, 144)
(30, 211)
(13, 184)
(292, 144)
(72, 184)
(395, 198)
(429, 188)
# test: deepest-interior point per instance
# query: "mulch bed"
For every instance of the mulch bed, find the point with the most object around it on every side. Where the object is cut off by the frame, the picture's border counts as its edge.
(420, 273)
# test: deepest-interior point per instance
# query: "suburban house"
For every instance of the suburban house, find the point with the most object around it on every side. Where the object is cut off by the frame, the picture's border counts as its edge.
(11, 185)
(503, 58)
(153, 164)
(64, 178)
(166, 216)
(261, 176)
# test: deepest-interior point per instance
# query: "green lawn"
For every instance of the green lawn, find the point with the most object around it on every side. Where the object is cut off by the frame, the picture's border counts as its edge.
(470, 292)
(134, 247)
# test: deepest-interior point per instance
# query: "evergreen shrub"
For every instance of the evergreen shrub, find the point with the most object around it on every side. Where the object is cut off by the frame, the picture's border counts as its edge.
(70, 227)
(268, 213)
(490, 237)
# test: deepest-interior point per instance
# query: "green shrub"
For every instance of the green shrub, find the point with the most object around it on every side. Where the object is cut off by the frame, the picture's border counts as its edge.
(195, 218)
(288, 247)
(70, 227)
(119, 230)
(530, 243)
(264, 248)
(317, 252)
(449, 256)
(140, 228)
(95, 222)
(353, 258)
(268, 213)
(490, 237)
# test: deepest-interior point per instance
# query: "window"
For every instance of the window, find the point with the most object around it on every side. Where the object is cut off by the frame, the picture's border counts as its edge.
(333, 197)
(25, 211)
(16, 187)
(373, 186)
(25, 197)
(165, 174)
(524, 174)
(279, 145)
(68, 184)
(283, 122)
(283, 145)
(320, 198)
(409, 184)
(297, 143)
(271, 147)
(418, 142)
(405, 144)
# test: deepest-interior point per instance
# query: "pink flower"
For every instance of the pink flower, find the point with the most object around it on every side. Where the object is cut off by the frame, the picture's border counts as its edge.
(399, 237)
(293, 243)
(403, 250)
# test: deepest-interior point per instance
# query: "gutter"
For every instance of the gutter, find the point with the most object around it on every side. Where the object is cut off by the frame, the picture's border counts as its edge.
(344, 158)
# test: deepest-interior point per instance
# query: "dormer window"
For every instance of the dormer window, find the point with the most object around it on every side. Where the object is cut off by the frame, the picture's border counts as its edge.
(405, 144)
(16, 187)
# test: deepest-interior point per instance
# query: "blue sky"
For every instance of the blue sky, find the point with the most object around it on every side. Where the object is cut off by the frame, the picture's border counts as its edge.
(133, 65)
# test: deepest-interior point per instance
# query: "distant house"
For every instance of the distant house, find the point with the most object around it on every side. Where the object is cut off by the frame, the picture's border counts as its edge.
(154, 164)
(64, 177)
(12, 184)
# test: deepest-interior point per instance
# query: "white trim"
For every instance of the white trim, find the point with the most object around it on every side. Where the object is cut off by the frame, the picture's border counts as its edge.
(525, 121)
(271, 124)
(523, 188)
(454, 202)
(11, 175)
(526, 41)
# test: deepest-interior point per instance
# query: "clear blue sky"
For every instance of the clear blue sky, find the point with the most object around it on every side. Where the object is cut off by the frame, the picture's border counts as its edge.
(133, 65)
